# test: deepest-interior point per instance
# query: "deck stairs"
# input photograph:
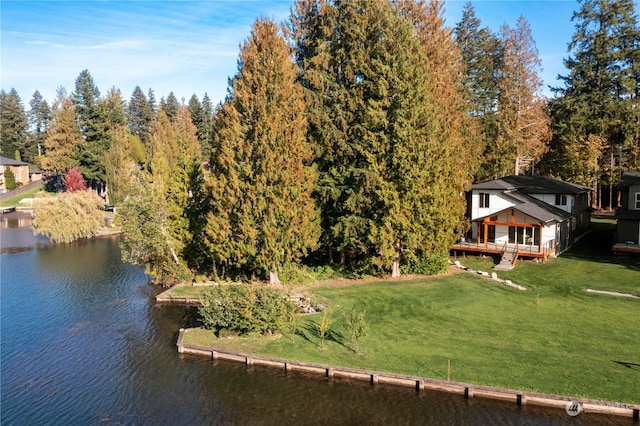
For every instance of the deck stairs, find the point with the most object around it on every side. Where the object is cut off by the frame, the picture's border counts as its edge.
(507, 261)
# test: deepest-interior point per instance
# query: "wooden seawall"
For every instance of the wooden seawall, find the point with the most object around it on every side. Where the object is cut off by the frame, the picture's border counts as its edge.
(419, 383)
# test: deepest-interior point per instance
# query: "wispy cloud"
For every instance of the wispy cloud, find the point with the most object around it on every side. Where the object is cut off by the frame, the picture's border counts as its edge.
(115, 45)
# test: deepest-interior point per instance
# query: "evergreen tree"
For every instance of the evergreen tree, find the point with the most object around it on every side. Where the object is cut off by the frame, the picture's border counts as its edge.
(13, 124)
(92, 124)
(39, 120)
(480, 50)
(9, 179)
(205, 131)
(202, 116)
(376, 130)
(140, 115)
(63, 135)
(263, 214)
(460, 145)
(170, 106)
(523, 121)
(595, 108)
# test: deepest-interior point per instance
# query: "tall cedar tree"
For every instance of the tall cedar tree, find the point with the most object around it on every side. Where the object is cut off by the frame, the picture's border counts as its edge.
(458, 159)
(480, 50)
(375, 128)
(39, 121)
(91, 121)
(597, 109)
(263, 213)
(140, 115)
(13, 124)
(523, 120)
(63, 136)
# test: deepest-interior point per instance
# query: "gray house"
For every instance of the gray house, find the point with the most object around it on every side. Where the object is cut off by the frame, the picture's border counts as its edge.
(628, 214)
(525, 217)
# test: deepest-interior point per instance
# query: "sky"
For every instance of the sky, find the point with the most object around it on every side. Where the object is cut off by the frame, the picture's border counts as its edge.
(191, 47)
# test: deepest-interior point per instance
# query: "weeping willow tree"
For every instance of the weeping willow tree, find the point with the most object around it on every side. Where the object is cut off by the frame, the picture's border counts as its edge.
(70, 216)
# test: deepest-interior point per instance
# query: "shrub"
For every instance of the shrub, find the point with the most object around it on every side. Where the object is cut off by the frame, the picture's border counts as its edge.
(427, 264)
(324, 327)
(357, 327)
(9, 179)
(244, 308)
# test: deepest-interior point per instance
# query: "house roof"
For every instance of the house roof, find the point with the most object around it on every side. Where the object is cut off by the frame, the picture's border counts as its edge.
(534, 208)
(628, 179)
(532, 185)
(4, 161)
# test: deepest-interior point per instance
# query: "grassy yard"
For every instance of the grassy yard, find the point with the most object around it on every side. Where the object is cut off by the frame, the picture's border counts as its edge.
(554, 338)
(15, 200)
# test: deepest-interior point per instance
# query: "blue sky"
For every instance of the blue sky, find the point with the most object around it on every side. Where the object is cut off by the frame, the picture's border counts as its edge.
(192, 46)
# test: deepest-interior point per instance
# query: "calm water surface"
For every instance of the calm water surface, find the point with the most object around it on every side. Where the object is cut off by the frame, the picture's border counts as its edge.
(83, 343)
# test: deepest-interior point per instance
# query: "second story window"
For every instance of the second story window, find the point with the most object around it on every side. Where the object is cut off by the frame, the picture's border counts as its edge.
(561, 200)
(637, 200)
(484, 200)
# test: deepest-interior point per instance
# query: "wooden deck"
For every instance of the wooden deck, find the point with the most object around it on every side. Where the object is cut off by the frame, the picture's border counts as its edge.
(521, 250)
(628, 248)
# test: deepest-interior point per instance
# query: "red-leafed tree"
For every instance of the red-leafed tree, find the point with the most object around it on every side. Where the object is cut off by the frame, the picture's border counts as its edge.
(73, 180)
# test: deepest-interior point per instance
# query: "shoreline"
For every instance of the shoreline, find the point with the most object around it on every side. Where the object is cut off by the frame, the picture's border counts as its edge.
(467, 390)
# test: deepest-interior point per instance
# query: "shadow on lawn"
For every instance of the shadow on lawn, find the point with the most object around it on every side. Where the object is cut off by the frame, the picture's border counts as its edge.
(630, 365)
(311, 329)
(596, 247)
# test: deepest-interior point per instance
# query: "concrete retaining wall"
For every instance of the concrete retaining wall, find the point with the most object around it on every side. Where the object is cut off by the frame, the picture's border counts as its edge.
(419, 383)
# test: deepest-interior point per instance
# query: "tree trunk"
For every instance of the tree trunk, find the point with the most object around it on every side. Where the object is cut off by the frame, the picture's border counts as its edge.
(395, 272)
(273, 277)
(330, 255)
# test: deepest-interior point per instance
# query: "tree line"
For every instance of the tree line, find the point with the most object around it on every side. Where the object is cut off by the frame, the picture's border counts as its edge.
(349, 134)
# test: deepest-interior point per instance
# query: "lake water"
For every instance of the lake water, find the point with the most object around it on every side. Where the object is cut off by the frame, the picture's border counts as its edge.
(83, 343)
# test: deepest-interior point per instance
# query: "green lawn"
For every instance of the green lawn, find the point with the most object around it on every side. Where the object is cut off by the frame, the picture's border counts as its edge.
(15, 200)
(554, 338)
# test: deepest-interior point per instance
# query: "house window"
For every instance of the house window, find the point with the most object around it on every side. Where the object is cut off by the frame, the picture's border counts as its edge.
(637, 200)
(484, 200)
(561, 200)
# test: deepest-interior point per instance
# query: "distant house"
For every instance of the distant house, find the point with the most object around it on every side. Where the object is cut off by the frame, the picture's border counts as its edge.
(525, 217)
(628, 214)
(20, 170)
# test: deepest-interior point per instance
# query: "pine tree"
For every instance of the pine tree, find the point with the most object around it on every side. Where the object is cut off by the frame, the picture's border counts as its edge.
(170, 106)
(523, 121)
(39, 119)
(201, 116)
(205, 131)
(140, 115)
(263, 214)
(13, 124)
(480, 50)
(599, 93)
(93, 127)
(63, 136)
